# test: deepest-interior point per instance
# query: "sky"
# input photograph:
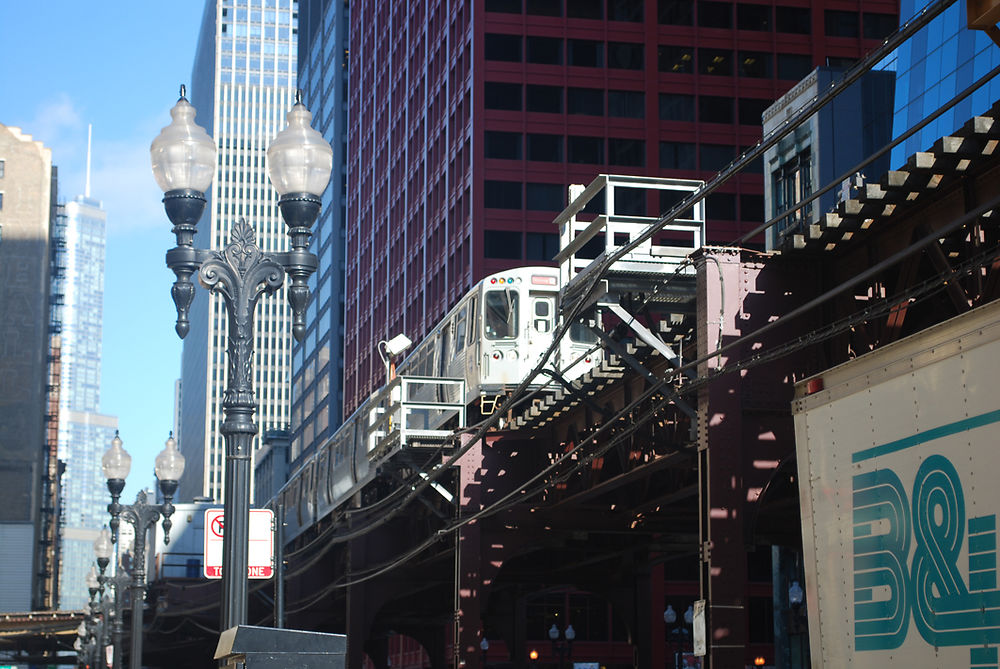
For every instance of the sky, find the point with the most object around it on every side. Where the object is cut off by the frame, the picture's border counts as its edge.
(118, 65)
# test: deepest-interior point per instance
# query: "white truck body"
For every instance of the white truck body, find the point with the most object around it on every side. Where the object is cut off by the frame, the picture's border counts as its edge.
(899, 483)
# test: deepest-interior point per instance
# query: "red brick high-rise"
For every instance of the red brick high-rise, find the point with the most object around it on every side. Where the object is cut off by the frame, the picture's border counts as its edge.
(468, 118)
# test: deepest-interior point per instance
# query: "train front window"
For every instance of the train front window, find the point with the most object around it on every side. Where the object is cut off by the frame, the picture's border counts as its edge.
(581, 333)
(500, 317)
(543, 314)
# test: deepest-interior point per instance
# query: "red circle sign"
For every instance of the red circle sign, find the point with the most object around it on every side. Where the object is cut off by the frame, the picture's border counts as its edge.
(217, 524)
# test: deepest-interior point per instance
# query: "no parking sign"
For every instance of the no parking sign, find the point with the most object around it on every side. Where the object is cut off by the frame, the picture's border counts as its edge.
(260, 555)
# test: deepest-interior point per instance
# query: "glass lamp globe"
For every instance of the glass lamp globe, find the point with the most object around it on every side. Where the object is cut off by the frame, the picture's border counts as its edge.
(183, 155)
(91, 579)
(102, 545)
(116, 462)
(78, 645)
(670, 615)
(570, 633)
(299, 160)
(170, 462)
(553, 632)
(795, 593)
(82, 629)
(689, 614)
(484, 645)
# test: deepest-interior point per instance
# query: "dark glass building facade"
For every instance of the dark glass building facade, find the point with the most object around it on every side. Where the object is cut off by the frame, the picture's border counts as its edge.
(317, 361)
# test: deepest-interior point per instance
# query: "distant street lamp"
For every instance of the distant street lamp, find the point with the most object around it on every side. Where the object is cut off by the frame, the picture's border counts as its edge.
(103, 549)
(563, 649)
(142, 516)
(680, 635)
(299, 162)
(484, 646)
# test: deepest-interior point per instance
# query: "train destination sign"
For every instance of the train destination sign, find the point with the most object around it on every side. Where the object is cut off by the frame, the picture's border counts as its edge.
(260, 557)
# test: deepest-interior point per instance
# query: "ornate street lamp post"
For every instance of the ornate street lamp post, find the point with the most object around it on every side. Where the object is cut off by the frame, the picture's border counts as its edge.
(103, 549)
(142, 516)
(299, 162)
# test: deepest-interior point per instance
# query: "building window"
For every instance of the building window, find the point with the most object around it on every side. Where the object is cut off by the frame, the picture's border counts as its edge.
(752, 208)
(541, 245)
(585, 150)
(497, 95)
(630, 202)
(714, 157)
(585, 52)
(751, 111)
(715, 15)
(504, 6)
(753, 17)
(501, 245)
(502, 47)
(545, 7)
(840, 61)
(545, 197)
(676, 59)
(625, 56)
(2, 167)
(626, 152)
(715, 61)
(625, 10)
(840, 23)
(547, 148)
(721, 206)
(538, 98)
(675, 12)
(793, 66)
(677, 156)
(676, 107)
(585, 101)
(585, 9)
(627, 104)
(797, 20)
(502, 194)
(1, 200)
(715, 109)
(755, 64)
(879, 26)
(503, 145)
(791, 183)
(544, 50)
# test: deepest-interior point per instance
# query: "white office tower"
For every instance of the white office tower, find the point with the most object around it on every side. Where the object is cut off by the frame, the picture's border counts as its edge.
(243, 84)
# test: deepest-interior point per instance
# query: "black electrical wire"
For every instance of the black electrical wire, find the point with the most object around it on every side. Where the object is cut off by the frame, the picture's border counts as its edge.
(818, 102)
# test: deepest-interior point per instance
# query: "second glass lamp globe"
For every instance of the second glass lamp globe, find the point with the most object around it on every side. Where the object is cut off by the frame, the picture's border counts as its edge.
(299, 160)
(102, 545)
(116, 462)
(170, 462)
(183, 155)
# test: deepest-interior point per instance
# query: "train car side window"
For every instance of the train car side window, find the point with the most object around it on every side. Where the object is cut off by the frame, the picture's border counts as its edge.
(460, 331)
(473, 321)
(500, 314)
(543, 314)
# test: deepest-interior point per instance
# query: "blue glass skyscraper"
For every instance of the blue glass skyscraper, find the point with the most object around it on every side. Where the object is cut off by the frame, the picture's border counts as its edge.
(938, 62)
(318, 365)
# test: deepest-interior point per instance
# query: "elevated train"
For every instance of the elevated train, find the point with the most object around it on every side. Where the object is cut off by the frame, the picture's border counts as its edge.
(493, 338)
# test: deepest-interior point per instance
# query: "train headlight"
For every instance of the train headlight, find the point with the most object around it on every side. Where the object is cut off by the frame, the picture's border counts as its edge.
(497, 355)
(512, 355)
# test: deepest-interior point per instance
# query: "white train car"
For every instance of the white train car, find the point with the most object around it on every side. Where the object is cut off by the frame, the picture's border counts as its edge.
(493, 338)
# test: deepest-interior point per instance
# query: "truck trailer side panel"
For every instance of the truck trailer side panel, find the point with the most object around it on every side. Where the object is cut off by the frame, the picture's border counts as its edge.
(899, 485)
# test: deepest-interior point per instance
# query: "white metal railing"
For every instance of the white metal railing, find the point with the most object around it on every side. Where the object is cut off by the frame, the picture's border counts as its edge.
(414, 408)
(677, 240)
